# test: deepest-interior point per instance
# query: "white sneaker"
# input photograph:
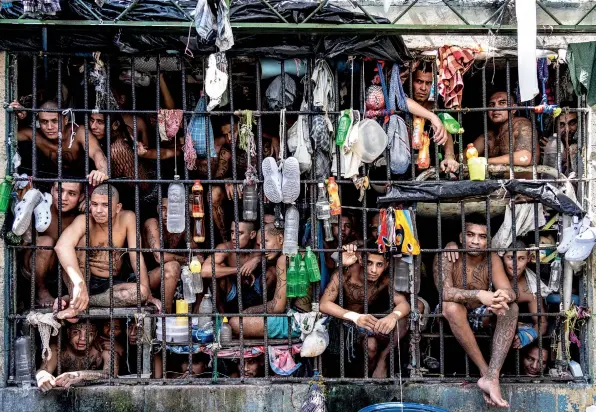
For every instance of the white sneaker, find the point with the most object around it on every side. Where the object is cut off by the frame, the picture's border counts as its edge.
(24, 210)
(290, 182)
(43, 214)
(272, 184)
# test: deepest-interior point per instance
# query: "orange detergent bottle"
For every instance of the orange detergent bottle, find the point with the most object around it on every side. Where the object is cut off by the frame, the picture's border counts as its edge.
(333, 190)
(423, 161)
(471, 151)
(418, 132)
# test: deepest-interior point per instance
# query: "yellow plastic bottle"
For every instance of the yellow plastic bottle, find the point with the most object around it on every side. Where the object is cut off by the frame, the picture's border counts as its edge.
(471, 151)
(333, 189)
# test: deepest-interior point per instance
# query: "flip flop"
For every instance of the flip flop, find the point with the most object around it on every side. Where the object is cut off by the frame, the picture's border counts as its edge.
(272, 184)
(290, 182)
(43, 215)
(24, 210)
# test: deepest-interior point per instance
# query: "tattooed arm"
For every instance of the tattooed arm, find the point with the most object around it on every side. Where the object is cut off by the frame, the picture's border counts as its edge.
(522, 146)
(131, 239)
(452, 293)
(500, 279)
(217, 260)
(151, 231)
(327, 304)
(278, 303)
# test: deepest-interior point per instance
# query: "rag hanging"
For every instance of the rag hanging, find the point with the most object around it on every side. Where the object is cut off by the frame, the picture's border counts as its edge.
(47, 326)
(454, 61)
(323, 93)
(526, 333)
(531, 280)
(37, 8)
(281, 361)
(168, 123)
(525, 11)
(201, 132)
(209, 26)
(524, 222)
(224, 40)
(581, 58)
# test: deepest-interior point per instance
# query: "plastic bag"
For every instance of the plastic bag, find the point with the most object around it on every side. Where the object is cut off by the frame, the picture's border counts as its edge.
(399, 145)
(316, 341)
(274, 93)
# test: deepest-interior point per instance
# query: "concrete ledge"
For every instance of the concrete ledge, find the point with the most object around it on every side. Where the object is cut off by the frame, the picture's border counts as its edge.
(287, 397)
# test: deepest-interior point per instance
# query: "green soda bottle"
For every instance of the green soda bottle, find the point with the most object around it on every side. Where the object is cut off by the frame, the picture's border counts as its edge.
(451, 125)
(302, 280)
(312, 266)
(342, 128)
(5, 192)
(291, 276)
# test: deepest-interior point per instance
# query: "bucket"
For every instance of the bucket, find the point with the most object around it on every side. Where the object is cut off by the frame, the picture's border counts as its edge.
(399, 407)
(477, 168)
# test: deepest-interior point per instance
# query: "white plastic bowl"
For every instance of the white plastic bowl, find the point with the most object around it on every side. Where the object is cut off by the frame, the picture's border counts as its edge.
(372, 141)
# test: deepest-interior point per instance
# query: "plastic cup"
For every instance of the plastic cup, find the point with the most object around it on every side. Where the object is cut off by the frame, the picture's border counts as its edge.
(477, 168)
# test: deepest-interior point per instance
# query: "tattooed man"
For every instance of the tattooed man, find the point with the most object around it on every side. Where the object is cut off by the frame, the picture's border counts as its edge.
(367, 327)
(123, 227)
(76, 366)
(472, 295)
(252, 291)
(48, 135)
(498, 135)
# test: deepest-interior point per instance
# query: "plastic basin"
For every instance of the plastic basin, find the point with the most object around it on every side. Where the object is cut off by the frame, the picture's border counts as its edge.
(405, 407)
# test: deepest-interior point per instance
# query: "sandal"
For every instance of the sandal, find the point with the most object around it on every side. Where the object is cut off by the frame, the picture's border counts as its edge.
(43, 214)
(24, 210)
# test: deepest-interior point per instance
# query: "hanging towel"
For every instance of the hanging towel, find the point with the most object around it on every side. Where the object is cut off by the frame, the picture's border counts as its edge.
(582, 68)
(281, 361)
(201, 132)
(524, 222)
(525, 11)
(454, 62)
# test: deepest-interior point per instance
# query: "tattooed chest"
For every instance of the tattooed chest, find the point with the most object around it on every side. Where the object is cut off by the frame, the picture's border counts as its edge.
(71, 363)
(355, 293)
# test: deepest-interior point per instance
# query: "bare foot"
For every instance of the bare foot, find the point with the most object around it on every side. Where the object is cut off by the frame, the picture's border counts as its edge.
(491, 387)
(487, 400)
(44, 299)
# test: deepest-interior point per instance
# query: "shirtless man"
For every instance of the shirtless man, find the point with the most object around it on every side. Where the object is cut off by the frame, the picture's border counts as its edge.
(498, 135)
(532, 364)
(422, 81)
(76, 366)
(475, 297)
(567, 126)
(367, 327)
(123, 235)
(171, 261)
(46, 141)
(277, 327)
(45, 262)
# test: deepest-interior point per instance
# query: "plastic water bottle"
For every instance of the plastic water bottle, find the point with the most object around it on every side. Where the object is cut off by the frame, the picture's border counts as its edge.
(205, 309)
(302, 280)
(195, 270)
(249, 202)
(550, 153)
(225, 332)
(323, 210)
(291, 279)
(343, 127)
(23, 360)
(290, 247)
(401, 275)
(451, 125)
(555, 275)
(5, 192)
(188, 290)
(197, 199)
(312, 266)
(176, 207)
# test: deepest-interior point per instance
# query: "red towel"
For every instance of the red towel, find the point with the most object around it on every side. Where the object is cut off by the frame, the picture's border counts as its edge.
(454, 62)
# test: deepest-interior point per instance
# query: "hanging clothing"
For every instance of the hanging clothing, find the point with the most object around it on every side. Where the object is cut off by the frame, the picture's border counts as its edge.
(454, 62)
(526, 49)
(41, 7)
(581, 58)
(524, 222)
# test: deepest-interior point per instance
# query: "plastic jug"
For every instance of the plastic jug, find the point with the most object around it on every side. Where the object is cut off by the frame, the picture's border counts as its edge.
(290, 247)
(205, 310)
(249, 202)
(477, 168)
(451, 125)
(197, 199)
(343, 127)
(335, 204)
(5, 192)
(225, 332)
(176, 207)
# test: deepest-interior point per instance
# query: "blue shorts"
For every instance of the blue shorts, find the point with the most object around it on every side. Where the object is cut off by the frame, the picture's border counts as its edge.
(277, 327)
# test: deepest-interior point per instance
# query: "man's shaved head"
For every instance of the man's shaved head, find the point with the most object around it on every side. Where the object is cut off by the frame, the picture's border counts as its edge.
(103, 189)
(49, 105)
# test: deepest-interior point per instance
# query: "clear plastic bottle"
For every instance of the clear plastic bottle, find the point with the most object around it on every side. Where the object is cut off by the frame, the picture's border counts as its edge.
(198, 231)
(198, 209)
(176, 207)
(249, 202)
(555, 275)
(290, 247)
(23, 360)
(401, 275)
(323, 210)
(205, 309)
(225, 333)
(195, 270)
(188, 289)
(550, 153)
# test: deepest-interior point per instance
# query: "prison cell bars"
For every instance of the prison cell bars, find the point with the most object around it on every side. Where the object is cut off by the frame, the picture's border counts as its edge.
(136, 181)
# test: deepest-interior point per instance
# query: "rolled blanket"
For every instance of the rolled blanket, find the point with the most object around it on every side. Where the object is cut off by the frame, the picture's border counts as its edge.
(526, 333)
